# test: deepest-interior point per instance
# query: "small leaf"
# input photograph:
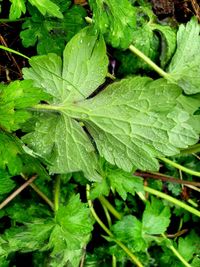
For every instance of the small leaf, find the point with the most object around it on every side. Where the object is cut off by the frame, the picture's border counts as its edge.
(44, 6)
(189, 245)
(184, 66)
(71, 233)
(15, 98)
(129, 231)
(10, 151)
(156, 217)
(17, 8)
(47, 6)
(168, 42)
(115, 19)
(6, 183)
(51, 34)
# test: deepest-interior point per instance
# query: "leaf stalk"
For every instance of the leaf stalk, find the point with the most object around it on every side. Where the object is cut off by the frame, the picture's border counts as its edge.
(172, 200)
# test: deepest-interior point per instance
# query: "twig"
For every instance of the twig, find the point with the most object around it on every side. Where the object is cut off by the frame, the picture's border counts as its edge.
(83, 257)
(40, 193)
(196, 9)
(17, 192)
(11, 56)
(165, 178)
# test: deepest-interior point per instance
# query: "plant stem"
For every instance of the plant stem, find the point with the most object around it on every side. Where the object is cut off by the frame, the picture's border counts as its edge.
(57, 193)
(47, 107)
(105, 202)
(99, 221)
(128, 252)
(194, 204)
(112, 77)
(107, 215)
(180, 167)
(137, 52)
(88, 20)
(17, 192)
(96, 217)
(40, 193)
(114, 261)
(173, 200)
(12, 20)
(163, 177)
(177, 254)
(13, 51)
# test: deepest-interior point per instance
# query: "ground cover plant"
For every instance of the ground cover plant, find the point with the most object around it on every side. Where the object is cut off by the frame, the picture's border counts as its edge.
(99, 133)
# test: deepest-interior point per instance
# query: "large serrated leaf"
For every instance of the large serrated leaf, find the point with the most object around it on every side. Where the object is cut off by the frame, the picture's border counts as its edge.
(132, 121)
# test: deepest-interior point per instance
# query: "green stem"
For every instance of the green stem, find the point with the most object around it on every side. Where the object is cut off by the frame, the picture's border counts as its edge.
(112, 77)
(41, 107)
(57, 193)
(194, 204)
(13, 51)
(128, 252)
(96, 217)
(99, 221)
(173, 200)
(12, 20)
(177, 254)
(137, 52)
(114, 212)
(180, 167)
(88, 20)
(191, 150)
(114, 261)
(107, 215)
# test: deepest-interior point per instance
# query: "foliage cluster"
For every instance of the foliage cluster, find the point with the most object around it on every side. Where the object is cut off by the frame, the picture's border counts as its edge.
(82, 139)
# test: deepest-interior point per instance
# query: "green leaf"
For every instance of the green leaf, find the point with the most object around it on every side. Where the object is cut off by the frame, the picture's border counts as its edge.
(6, 184)
(51, 34)
(156, 217)
(132, 121)
(14, 101)
(71, 233)
(65, 236)
(27, 238)
(184, 66)
(47, 6)
(189, 246)
(115, 19)
(168, 42)
(191, 104)
(10, 151)
(129, 231)
(60, 138)
(17, 8)
(44, 6)
(117, 180)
